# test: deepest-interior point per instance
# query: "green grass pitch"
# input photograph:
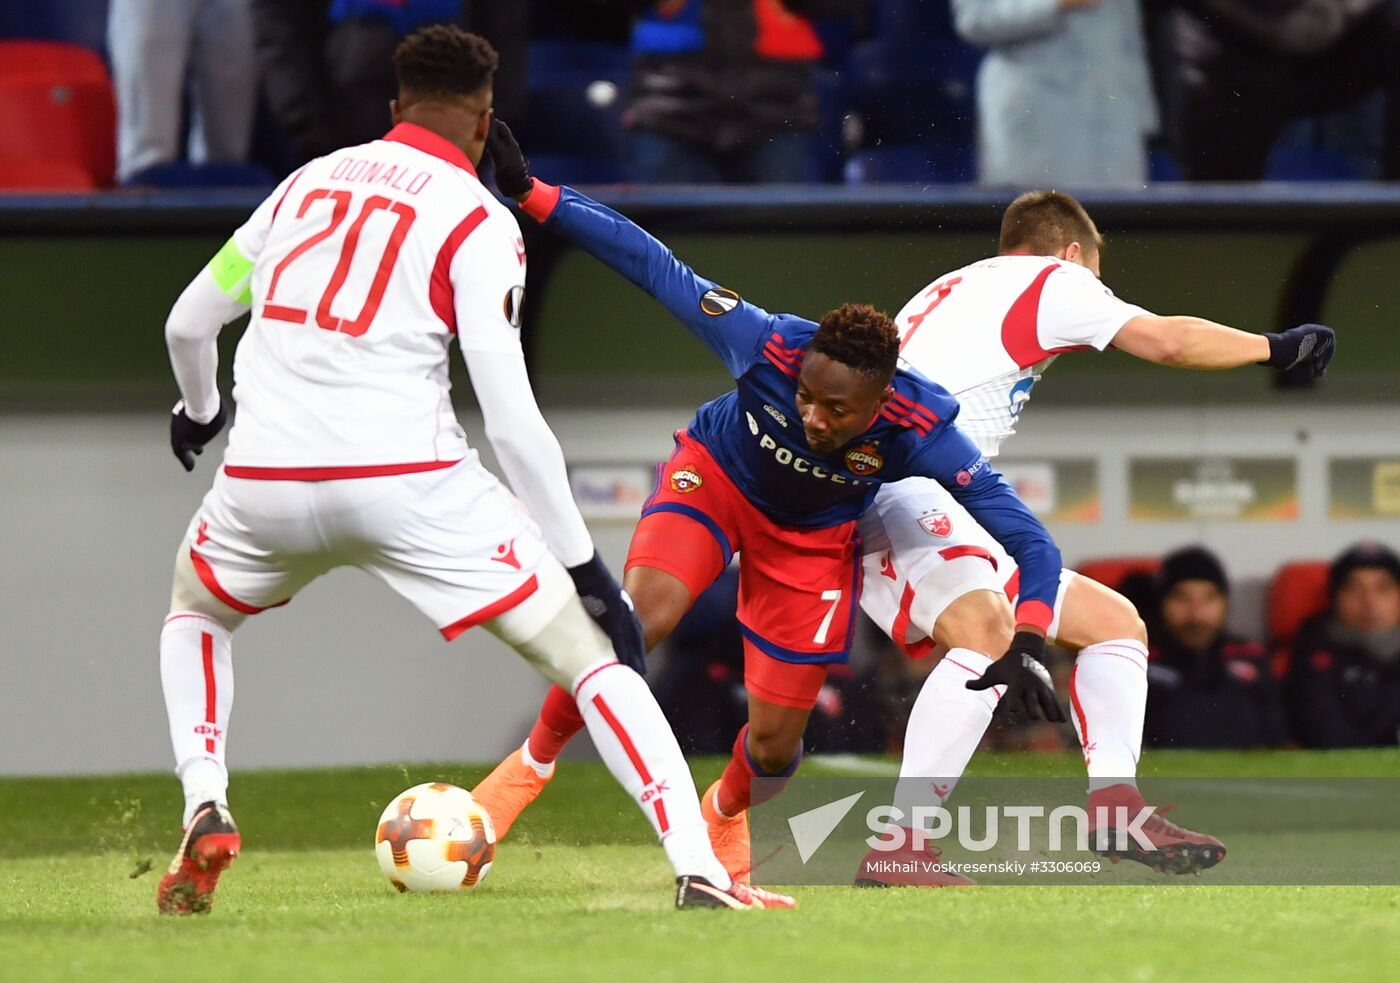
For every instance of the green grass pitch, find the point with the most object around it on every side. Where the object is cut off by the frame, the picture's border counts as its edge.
(579, 891)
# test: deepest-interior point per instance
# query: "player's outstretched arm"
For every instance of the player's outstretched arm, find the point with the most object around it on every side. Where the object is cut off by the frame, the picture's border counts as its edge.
(533, 461)
(217, 295)
(730, 327)
(1187, 342)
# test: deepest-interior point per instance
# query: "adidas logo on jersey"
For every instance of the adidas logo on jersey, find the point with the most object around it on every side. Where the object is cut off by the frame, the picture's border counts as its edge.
(782, 420)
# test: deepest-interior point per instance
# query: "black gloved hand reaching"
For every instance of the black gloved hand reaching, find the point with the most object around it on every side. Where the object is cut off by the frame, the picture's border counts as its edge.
(512, 169)
(611, 610)
(187, 438)
(1312, 345)
(1028, 684)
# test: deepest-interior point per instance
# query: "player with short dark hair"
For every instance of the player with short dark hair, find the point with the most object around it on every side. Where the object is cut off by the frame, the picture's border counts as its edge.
(347, 452)
(986, 332)
(779, 469)
(1045, 222)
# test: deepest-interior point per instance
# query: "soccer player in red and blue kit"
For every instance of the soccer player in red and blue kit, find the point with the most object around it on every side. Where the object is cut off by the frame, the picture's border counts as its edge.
(778, 469)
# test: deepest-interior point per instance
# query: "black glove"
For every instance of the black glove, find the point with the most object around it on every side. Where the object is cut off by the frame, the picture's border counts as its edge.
(512, 169)
(611, 609)
(1028, 685)
(188, 438)
(1310, 345)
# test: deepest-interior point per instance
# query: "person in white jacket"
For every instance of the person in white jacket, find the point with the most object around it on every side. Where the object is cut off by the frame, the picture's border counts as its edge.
(1064, 94)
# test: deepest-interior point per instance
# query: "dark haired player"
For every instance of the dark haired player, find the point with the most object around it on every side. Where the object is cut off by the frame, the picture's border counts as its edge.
(986, 332)
(778, 469)
(360, 269)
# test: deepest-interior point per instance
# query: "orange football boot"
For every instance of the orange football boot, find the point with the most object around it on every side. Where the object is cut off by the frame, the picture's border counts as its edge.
(508, 790)
(729, 837)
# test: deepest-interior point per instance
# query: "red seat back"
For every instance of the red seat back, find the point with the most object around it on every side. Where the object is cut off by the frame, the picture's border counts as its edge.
(51, 60)
(43, 176)
(1112, 570)
(56, 107)
(1298, 591)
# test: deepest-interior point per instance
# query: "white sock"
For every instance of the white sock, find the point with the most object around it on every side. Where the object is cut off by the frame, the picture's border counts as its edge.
(545, 770)
(196, 674)
(634, 740)
(945, 727)
(1108, 696)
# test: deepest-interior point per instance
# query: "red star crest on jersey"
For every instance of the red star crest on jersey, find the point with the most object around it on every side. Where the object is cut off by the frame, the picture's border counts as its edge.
(937, 524)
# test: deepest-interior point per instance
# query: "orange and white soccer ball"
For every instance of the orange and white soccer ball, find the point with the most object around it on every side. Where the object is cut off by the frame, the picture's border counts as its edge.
(435, 837)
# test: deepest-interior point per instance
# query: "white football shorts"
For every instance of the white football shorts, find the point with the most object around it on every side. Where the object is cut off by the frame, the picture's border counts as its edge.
(922, 552)
(453, 542)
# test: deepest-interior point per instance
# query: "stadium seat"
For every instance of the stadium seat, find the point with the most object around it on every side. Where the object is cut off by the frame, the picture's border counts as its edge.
(573, 115)
(56, 106)
(919, 163)
(1297, 592)
(887, 81)
(1113, 570)
(183, 174)
(34, 176)
(550, 59)
(80, 22)
(579, 168)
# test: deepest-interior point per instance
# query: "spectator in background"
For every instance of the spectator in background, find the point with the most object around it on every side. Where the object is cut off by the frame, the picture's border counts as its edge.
(722, 90)
(161, 49)
(327, 65)
(1245, 68)
(1064, 95)
(1206, 687)
(1344, 675)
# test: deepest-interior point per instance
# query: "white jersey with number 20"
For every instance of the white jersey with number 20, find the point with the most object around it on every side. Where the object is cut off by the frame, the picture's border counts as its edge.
(986, 332)
(365, 263)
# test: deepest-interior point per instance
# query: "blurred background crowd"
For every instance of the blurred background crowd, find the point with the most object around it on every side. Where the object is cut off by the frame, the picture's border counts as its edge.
(1323, 672)
(1072, 93)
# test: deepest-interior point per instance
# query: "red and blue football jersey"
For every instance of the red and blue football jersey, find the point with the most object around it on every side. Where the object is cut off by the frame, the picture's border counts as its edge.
(755, 431)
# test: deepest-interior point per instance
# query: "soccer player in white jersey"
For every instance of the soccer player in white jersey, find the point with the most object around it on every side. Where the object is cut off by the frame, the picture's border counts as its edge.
(359, 270)
(986, 332)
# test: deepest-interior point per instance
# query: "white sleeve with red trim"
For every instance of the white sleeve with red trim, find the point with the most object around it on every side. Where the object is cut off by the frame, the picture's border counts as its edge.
(488, 282)
(1077, 310)
(528, 451)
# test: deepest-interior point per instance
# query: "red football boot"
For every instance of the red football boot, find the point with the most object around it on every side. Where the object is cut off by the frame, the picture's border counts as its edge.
(1176, 850)
(211, 842)
(908, 867)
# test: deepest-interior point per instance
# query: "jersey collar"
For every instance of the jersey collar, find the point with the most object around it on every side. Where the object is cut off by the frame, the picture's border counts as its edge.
(429, 142)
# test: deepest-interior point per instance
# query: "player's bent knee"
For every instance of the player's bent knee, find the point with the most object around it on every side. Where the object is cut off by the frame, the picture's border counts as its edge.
(980, 620)
(772, 750)
(552, 631)
(188, 595)
(661, 600)
(1094, 613)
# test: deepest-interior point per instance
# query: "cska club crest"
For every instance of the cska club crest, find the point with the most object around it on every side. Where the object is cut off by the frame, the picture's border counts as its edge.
(685, 480)
(864, 460)
(937, 524)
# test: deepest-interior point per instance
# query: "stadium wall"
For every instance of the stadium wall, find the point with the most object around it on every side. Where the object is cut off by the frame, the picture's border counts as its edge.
(94, 508)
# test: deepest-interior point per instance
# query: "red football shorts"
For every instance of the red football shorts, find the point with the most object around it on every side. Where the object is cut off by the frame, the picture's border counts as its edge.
(798, 588)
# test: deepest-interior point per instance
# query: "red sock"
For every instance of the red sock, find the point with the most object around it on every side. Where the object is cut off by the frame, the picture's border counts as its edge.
(735, 791)
(559, 721)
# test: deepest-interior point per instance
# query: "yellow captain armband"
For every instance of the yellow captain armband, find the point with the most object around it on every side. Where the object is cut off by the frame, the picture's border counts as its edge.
(233, 272)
